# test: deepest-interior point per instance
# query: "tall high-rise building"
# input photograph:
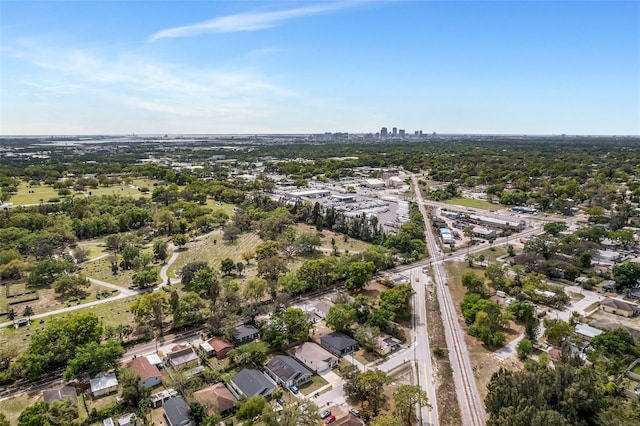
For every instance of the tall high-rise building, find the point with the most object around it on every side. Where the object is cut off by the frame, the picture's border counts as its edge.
(401, 131)
(394, 132)
(383, 132)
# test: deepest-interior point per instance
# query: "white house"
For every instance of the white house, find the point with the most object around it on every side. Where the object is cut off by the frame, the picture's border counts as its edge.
(103, 384)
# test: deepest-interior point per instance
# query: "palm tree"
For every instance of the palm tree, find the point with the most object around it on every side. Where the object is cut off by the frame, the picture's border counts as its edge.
(468, 232)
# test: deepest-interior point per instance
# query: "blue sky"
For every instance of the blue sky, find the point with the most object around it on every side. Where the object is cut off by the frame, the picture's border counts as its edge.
(89, 67)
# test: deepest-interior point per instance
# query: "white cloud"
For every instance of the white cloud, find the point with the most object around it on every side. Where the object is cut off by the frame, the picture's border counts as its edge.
(248, 21)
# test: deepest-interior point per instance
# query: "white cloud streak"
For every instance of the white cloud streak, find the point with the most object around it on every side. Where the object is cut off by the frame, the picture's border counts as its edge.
(248, 21)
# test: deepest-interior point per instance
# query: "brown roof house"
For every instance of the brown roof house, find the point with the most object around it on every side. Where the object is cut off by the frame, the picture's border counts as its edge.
(619, 307)
(220, 347)
(183, 356)
(149, 373)
(216, 399)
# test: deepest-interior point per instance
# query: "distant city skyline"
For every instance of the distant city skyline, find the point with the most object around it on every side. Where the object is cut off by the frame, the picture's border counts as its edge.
(300, 67)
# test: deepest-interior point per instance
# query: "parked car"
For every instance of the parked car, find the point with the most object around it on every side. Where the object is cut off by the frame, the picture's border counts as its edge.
(330, 419)
(354, 412)
(280, 401)
(294, 389)
(325, 414)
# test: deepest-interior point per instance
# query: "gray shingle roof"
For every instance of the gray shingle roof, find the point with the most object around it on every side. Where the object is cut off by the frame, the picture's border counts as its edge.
(177, 412)
(252, 382)
(244, 331)
(286, 368)
(337, 340)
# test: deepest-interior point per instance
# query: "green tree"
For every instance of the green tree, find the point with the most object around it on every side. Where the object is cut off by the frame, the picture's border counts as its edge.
(371, 386)
(557, 331)
(386, 421)
(69, 285)
(54, 346)
(405, 400)
(359, 273)
(251, 407)
(554, 228)
(47, 270)
(93, 358)
(160, 251)
(626, 275)
(227, 265)
(340, 317)
(253, 354)
(150, 308)
(230, 233)
(189, 310)
(180, 240)
(496, 276)
(255, 289)
(397, 300)
(473, 283)
(4, 421)
(300, 412)
(367, 337)
(524, 348)
(146, 278)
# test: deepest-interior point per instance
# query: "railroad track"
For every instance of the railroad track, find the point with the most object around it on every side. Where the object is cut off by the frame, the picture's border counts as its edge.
(471, 406)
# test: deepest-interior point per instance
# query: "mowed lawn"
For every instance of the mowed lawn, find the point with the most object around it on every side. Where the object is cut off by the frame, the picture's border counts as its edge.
(473, 203)
(100, 269)
(351, 245)
(111, 313)
(12, 407)
(44, 193)
(212, 249)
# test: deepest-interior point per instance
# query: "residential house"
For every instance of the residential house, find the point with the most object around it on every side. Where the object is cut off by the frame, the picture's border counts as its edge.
(60, 394)
(619, 307)
(609, 286)
(159, 398)
(245, 333)
(220, 347)
(338, 344)
(251, 382)
(348, 420)
(148, 373)
(129, 419)
(103, 384)
(216, 399)
(286, 371)
(387, 344)
(321, 308)
(154, 359)
(183, 356)
(176, 412)
(316, 358)
(586, 331)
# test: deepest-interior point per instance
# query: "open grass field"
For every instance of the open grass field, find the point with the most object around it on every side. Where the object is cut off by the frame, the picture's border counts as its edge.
(352, 245)
(12, 407)
(45, 193)
(212, 249)
(111, 314)
(217, 206)
(100, 269)
(48, 299)
(473, 203)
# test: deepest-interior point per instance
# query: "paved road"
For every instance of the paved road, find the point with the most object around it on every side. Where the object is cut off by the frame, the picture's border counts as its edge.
(124, 293)
(421, 348)
(471, 407)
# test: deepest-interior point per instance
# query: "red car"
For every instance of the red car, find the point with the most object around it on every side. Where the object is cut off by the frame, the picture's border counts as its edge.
(330, 419)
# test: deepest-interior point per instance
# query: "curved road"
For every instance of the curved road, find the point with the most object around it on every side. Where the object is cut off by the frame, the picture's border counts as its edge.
(124, 292)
